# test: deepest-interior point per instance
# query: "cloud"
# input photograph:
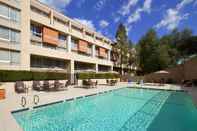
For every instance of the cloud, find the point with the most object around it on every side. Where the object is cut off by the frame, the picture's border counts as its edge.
(116, 19)
(103, 23)
(127, 6)
(60, 5)
(134, 17)
(183, 4)
(100, 4)
(88, 23)
(173, 17)
(137, 14)
(147, 6)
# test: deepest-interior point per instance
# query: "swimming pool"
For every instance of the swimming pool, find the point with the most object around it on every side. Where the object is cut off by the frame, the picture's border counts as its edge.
(127, 109)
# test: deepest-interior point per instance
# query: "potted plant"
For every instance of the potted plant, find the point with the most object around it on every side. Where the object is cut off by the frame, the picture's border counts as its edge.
(2, 92)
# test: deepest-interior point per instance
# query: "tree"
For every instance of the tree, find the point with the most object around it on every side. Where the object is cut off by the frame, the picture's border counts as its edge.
(168, 50)
(188, 46)
(132, 59)
(176, 44)
(185, 43)
(148, 52)
(122, 45)
(164, 57)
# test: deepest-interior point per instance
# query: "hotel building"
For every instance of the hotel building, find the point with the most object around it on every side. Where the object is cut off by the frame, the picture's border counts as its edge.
(36, 37)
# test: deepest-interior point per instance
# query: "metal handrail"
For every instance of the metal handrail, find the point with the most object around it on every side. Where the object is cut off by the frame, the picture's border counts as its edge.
(36, 99)
(23, 101)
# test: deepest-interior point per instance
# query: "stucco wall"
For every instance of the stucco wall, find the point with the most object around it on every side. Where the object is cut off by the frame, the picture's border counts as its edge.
(187, 71)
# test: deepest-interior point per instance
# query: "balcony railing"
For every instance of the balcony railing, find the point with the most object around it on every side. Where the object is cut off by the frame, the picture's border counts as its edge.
(36, 36)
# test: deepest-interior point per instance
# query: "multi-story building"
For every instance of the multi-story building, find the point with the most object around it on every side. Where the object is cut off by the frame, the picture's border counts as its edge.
(34, 36)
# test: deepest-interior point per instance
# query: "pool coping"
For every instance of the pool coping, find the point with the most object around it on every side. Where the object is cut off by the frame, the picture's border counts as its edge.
(181, 90)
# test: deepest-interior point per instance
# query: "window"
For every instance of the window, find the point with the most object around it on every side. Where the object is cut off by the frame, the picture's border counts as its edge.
(89, 49)
(9, 57)
(36, 30)
(4, 56)
(9, 35)
(62, 37)
(4, 33)
(9, 13)
(43, 62)
(4, 11)
(14, 15)
(14, 36)
(74, 45)
(15, 57)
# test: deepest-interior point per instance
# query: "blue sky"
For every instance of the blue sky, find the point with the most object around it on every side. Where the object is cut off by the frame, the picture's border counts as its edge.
(137, 15)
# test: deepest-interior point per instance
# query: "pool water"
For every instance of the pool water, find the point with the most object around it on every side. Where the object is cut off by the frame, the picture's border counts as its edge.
(127, 109)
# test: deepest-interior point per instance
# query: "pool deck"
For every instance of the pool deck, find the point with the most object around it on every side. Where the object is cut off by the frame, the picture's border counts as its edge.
(13, 102)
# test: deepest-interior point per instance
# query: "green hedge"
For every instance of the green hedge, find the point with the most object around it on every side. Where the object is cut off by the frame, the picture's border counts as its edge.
(97, 76)
(10, 76)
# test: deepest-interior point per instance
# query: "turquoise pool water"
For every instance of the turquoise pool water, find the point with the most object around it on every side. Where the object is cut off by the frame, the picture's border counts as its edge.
(127, 109)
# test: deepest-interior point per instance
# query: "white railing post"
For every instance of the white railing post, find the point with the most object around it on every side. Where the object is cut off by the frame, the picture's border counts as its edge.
(69, 43)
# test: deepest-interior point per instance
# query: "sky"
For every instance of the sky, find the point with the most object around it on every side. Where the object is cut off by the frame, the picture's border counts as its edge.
(138, 16)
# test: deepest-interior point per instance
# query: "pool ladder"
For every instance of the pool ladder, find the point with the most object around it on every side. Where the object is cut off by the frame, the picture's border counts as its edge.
(36, 100)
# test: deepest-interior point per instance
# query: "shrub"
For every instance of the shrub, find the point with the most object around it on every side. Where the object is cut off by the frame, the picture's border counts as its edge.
(92, 75)
(13, 75)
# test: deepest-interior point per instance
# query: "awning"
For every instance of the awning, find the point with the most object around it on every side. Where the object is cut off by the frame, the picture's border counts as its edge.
(162, 72)
(83, 46)
(50, 36)
(102, 52)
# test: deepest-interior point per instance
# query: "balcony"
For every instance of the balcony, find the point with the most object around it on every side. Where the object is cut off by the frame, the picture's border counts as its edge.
(36, 37)
(59, 25)
(40, 17)
(102, 68)
(61, 47)
(84, 67)
(48, 64)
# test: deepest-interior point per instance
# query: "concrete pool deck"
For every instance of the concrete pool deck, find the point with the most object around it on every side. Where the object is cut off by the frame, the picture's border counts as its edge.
(13, 102)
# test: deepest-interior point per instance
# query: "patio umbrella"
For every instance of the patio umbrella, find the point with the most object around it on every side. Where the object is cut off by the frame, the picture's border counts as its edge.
(162, 72)
(162, 75)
